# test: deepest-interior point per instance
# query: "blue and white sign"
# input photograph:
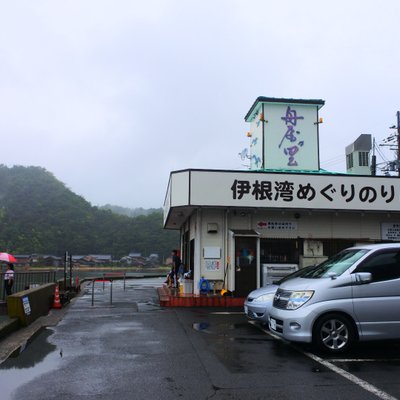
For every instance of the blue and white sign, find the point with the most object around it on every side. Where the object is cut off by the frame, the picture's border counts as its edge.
(26, 305)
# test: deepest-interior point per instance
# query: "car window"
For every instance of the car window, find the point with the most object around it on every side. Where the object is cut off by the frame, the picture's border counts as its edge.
(337, 264)
(383, 266)
(296, 274)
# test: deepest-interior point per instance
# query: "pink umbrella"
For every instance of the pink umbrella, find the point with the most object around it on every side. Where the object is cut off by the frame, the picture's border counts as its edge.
(6, 257)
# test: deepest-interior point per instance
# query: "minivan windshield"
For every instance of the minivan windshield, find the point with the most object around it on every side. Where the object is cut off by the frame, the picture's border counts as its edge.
(336, 264)
(299, 273)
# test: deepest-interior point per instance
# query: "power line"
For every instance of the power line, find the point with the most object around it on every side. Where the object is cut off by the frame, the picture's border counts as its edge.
(336, 158)
(333, 161)
(381, 155)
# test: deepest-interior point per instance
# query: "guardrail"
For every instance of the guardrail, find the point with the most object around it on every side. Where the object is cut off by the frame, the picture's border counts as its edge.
(108, 277)
(27, 280)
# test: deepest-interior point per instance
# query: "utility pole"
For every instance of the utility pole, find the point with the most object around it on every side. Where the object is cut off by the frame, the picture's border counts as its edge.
(373, 159)
(393, 141)
(398, 144)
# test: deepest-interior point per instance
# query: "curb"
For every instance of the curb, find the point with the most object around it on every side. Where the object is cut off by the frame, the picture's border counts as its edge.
(168, 298)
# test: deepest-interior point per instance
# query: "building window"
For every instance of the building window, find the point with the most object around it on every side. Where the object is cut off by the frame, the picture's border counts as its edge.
(349, 160)
(279, 251)
(363, 158)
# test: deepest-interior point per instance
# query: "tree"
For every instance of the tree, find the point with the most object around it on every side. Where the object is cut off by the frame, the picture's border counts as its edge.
(39, 214)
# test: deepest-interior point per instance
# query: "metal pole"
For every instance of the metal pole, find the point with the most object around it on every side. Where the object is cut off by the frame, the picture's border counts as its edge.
(124, 280)
(111, 281)
(398, 143)
(104, 279)
(65, 269)
(93, 292)
(373, 159)
(70, 270)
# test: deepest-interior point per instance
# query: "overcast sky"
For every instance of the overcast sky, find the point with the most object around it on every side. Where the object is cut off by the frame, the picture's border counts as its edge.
(110, 96)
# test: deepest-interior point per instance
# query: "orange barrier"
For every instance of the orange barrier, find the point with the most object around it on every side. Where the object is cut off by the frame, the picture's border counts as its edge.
(56, 302)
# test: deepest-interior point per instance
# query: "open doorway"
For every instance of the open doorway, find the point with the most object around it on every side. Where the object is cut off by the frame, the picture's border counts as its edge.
(245, 265)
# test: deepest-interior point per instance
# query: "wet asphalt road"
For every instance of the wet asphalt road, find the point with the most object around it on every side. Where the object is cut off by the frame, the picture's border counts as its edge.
(133, 349)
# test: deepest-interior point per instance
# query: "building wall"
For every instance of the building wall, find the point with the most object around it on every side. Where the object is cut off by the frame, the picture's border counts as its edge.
(309, 226)
(212, 267)
(327, 225)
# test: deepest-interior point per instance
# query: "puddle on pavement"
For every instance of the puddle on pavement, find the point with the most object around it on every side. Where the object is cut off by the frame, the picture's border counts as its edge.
(238, 331)
(245, 340)
(217, 328)
(149, 306)
(31, 352)
(201, 327)
(225, 340)
(32, 359)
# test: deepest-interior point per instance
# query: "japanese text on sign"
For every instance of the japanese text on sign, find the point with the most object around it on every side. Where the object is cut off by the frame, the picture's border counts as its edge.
(390, 231)
(288, 191)
(26, 305)
(277, 225)
(289, 139)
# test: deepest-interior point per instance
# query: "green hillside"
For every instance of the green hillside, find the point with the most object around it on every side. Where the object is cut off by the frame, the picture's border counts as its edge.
(39, 214)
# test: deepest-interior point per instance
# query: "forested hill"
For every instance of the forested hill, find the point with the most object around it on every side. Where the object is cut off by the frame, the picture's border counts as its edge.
(39, 214)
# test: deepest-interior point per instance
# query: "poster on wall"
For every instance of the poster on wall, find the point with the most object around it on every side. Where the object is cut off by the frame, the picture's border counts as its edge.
(212, 252)
(213, 265)
(277, 225)
(390, 231)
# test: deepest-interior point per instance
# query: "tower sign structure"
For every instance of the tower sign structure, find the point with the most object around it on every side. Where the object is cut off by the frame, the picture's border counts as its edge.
(284, 134)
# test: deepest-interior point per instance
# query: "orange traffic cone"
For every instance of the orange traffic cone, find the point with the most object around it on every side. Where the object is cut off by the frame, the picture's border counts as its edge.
(57, 302)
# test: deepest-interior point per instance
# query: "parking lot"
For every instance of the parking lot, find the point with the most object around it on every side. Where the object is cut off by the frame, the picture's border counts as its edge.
(371, 365)
(370, 370)
(135, 349)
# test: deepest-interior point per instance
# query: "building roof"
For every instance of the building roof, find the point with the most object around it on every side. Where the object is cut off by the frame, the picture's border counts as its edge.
(101, 256)
(262, 99)
(291, 171)
(362, 143)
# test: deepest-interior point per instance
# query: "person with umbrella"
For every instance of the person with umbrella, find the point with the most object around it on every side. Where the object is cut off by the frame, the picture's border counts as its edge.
(9, 274)
(9, 279)
(7, 258)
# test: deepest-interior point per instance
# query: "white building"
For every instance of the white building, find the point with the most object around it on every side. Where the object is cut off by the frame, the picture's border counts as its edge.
(284, 212)
(357, 156)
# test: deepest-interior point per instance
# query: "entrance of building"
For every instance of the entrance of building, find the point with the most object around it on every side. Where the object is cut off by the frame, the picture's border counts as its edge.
(245, 265)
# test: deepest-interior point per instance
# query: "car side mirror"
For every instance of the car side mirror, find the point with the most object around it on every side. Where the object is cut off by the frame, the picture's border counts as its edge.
(363, 277)
(332, 275)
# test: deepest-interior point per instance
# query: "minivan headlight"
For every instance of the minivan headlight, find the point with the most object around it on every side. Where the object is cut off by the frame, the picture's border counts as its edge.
(264, 298)
(298, 298)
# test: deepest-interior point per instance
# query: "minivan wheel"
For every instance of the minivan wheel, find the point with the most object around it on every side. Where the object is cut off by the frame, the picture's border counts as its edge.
(334, 333)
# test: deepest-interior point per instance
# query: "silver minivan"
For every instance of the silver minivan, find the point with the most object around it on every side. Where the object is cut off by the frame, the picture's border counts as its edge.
(355, 295)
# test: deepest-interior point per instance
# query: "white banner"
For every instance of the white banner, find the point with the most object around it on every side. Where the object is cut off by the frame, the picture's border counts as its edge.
(274, 190)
